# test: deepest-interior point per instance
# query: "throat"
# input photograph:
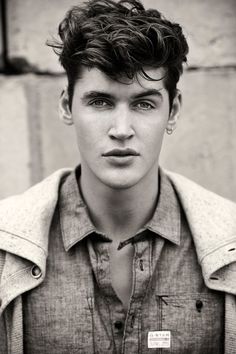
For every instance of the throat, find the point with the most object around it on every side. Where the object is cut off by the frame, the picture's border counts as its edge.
(120, 213)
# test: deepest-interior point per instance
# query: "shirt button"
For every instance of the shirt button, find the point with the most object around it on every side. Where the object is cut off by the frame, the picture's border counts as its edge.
(118, 325)
(36, 272)
(199, 305)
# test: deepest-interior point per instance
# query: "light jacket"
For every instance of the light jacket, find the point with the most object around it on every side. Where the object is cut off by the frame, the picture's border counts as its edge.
(24, 229)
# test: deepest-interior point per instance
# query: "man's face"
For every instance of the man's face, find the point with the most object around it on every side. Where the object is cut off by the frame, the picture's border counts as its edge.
(120, 126)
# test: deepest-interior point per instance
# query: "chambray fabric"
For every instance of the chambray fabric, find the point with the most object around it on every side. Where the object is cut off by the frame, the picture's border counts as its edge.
(75, 309)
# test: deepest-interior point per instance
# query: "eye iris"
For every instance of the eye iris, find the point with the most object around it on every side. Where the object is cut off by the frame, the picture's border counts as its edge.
(145, 105)
(99, 103)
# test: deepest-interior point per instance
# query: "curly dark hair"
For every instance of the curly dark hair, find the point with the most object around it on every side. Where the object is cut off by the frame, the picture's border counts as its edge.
(120, 38)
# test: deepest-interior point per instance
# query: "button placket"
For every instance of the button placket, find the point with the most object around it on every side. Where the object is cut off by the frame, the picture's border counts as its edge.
(142, 269)
(103, 268)
(141, 265)
(118, 321)
(141, 278)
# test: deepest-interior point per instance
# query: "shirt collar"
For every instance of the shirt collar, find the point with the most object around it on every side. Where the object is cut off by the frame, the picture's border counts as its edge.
(74, 217)
(166, 220)
(76, 223)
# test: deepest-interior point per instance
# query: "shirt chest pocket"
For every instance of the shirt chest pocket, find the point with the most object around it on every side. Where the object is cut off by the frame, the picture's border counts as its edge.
(196, 322)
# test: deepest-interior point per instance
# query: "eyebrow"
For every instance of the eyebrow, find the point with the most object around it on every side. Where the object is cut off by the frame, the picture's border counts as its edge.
(152, 92)
(101, 94)
(95, 94)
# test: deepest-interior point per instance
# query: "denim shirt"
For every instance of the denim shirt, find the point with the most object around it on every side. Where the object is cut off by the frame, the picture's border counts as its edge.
(76, 310)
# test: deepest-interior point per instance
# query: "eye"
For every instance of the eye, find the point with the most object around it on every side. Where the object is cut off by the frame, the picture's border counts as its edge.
(100, 103)
(144, 105)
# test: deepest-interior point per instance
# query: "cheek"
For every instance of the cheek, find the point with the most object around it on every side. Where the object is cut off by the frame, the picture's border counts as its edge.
(88, 136)
(153, 134)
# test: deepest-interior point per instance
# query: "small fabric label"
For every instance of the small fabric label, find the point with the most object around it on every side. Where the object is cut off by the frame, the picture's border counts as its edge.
(159, 339)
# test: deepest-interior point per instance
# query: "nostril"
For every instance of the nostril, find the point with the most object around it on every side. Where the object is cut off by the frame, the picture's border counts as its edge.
(231, 249)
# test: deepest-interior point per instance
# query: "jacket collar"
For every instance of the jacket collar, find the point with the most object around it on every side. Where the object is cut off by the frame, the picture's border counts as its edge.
(24, 224)
(213, 225)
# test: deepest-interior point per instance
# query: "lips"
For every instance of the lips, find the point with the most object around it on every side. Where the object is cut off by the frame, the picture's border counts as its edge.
(121, 152)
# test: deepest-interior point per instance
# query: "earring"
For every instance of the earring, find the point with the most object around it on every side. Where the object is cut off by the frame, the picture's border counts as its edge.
(169, 131)
(67, 119)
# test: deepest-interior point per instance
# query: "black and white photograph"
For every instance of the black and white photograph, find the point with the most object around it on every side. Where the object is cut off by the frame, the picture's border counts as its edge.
(118, 177)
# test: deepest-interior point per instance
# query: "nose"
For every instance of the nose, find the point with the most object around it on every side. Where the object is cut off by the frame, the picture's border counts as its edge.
(121, 127)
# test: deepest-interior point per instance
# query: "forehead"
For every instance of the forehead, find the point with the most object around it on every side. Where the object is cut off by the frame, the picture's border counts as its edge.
(94, 79)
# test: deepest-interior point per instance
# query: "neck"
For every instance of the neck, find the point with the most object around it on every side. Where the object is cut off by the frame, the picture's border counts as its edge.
(120, 213)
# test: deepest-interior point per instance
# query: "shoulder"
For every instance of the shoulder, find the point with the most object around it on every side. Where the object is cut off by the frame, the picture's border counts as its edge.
(195, 196)
(212, 218)
(39, 193)
(26, 215)
(212, 221)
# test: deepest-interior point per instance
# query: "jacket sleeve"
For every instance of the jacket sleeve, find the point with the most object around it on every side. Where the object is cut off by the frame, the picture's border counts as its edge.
(3, 339)
(3, 335)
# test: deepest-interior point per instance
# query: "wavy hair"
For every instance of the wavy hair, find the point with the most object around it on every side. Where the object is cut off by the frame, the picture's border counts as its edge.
(120, 38)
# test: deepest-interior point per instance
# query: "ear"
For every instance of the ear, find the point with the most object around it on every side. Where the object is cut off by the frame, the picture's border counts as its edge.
(64, 108)
(174, 113)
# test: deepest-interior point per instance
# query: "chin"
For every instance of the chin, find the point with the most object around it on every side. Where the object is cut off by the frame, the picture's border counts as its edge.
(120, 181)
(120, 186)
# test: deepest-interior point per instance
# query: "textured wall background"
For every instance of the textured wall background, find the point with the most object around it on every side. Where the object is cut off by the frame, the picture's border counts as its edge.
(33, 142)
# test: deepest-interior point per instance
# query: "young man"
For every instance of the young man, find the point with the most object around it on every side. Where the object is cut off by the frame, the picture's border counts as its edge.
(118, 256)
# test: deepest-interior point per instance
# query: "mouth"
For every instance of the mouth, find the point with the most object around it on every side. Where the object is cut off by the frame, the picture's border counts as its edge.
(121, 153)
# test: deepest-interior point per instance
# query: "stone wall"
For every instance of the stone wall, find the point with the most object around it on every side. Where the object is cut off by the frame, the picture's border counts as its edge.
(33, 142)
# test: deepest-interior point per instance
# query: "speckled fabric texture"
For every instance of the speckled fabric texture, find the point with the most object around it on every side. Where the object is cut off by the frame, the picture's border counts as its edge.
(78, 301)
(24, 226)
(212, 220)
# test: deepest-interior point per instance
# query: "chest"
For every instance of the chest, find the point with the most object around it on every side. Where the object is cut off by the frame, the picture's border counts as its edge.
(121, 271)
